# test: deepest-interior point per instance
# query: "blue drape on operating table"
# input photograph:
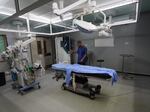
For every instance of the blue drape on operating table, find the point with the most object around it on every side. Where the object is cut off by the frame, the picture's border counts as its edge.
(69, 68)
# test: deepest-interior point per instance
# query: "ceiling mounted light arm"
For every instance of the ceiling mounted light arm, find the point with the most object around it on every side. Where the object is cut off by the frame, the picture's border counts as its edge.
(59, 12)
(103, 26)
(103, 15)
(87, 27)
(79, 16)
(95, 9)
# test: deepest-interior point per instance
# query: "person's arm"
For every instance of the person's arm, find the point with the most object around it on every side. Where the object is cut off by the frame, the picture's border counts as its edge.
(84, 55)
(72, 51)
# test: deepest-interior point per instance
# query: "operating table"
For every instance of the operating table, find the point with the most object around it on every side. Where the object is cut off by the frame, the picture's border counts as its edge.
(76, 75)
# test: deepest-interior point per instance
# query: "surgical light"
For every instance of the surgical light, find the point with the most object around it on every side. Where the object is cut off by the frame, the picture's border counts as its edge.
(84, 26)
(55, 8)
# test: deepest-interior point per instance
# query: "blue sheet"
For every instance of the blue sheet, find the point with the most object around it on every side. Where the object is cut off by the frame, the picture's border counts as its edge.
(69, 68)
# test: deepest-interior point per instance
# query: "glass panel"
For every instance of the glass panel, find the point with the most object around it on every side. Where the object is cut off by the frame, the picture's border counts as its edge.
(25, 3)
(39, 27)
(2, 16)
(39, 19)
(67, 23)
(57, 29)
(7, 7)
(127, 12)
(19, 24)
(44, 11)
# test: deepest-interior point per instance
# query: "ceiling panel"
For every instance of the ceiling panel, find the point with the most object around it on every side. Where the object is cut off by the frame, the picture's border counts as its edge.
(45, 11)
(2, 16)
(34, 27)
(145, 5)
(7, 7)
(119, 13)
(25, 3)
(18, 24)
(57, 29)
(7, 3)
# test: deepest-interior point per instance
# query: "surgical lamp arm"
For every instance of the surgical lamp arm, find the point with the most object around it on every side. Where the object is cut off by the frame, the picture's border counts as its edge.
(58, 11)
(28, 41)
(103, 15)
(21, 44)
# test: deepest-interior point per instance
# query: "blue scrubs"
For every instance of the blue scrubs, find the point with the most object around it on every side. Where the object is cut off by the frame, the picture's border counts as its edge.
(82, 51)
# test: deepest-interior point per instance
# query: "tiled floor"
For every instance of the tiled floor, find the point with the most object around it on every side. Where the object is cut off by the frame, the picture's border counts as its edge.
(124, 96)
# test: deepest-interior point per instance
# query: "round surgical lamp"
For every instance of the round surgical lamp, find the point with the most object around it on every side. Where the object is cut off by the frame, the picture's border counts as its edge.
(55, 7)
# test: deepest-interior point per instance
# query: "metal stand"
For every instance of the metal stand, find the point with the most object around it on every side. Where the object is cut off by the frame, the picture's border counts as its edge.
(100, 61)
(85, 89)
(126, 76)
(59, 75)
(28, 87)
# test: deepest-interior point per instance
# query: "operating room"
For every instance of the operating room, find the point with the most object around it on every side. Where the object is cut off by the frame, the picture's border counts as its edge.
(74, 55)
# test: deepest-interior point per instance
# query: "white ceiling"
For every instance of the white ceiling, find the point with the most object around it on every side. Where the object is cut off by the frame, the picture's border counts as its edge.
(46, 10)
(7, 3)
(44, 13)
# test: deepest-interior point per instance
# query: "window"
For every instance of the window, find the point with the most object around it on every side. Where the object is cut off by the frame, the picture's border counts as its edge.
(45, 48)
(3, 43)
(39, 47)
(46, 51)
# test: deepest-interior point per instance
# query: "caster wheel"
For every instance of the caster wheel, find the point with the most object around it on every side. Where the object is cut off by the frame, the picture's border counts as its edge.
(18, 92)
(13, 87)
(63, 87)
(92, 95)
(98, 89)
(21, 92)
(39, 86)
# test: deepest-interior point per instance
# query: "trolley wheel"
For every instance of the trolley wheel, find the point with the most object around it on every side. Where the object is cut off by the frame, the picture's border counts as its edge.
(63, 87)
(98, 89)
(39, 87)
(13, 86)
(92, 94)
(21, 92)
